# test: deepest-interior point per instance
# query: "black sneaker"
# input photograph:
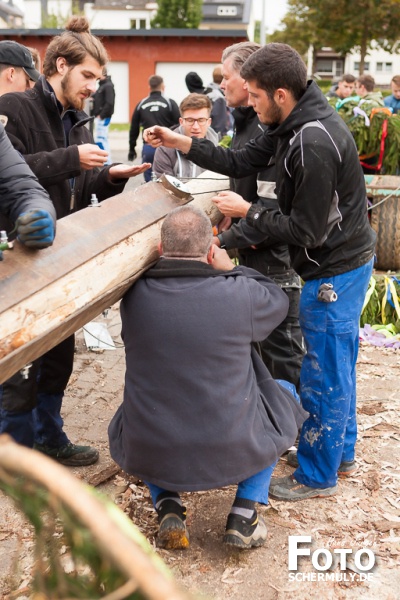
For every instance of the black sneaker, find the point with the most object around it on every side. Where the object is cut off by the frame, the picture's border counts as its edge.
(245, 533)
(172, 533)
(345, 469)
(70, 455)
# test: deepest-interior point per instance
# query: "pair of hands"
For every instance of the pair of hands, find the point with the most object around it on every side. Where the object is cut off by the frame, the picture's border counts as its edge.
(219, 259)
(91, 156)
(229, 203)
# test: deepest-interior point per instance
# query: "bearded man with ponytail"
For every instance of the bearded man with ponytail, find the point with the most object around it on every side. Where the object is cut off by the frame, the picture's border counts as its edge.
(46, 124)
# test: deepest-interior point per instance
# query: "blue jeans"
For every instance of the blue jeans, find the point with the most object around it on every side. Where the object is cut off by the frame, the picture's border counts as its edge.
(47, 420)
(328, 376)
(148, 157)
(253, 488)
(101, 136)
(42, 425)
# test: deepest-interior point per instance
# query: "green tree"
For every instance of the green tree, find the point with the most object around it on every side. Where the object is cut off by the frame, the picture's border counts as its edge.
(342, 25)
(180, 14)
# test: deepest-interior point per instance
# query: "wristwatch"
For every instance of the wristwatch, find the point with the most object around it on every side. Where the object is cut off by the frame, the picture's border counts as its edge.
(221, 241)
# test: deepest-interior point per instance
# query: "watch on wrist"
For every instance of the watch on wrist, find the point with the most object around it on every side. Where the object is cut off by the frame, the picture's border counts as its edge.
(221, 241)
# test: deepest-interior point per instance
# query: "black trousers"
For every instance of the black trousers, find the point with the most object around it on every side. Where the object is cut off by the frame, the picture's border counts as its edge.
(283, 350)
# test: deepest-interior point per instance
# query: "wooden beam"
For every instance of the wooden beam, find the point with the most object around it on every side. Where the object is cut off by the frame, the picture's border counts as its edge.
(98, 252)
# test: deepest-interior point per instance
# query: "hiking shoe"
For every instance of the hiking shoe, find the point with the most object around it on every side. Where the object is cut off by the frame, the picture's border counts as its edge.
(172, 533)
(70, 455)
(345, 469)
(245, 533)
(288, 488)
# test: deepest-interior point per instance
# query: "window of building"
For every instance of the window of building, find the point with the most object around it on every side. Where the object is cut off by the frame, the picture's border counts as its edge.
(357, 66)
(329, 66)
(139, 24)
(384, 67)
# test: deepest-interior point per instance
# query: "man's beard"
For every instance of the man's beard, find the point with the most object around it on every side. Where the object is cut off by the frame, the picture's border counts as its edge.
(72, 101)
(274, 116)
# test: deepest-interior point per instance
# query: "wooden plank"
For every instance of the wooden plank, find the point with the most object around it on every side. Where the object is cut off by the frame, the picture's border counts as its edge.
(98, 252)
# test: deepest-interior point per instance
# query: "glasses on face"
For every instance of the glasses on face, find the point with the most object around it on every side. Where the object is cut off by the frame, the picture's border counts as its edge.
(191, 121)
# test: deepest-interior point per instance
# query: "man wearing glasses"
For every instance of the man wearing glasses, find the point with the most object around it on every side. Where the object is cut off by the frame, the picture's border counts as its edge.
(194, 121)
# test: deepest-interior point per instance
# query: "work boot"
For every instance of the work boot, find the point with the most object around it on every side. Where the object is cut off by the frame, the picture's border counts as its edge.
(172, 533)
(70, 454)
(346, 468)
(245, 533)
(288, 488)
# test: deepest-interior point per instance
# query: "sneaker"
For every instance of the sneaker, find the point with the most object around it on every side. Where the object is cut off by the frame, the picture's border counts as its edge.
(172, 533)
(245, 533)
(288, 488)
(70, 455)
(345, 469)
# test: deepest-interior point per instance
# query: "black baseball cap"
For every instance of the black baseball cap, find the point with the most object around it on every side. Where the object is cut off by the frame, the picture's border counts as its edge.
(12, 53)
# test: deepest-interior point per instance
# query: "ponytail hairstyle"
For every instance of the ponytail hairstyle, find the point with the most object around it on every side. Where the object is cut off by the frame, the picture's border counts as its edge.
(74, 44)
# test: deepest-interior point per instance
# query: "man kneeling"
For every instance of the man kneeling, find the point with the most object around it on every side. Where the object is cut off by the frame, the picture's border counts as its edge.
(200, 409)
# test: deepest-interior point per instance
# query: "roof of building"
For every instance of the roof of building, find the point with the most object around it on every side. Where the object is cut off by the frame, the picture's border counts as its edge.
(123, 4)
(157, 32)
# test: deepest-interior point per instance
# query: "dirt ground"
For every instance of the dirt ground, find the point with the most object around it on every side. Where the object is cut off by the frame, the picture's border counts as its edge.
(365, 513)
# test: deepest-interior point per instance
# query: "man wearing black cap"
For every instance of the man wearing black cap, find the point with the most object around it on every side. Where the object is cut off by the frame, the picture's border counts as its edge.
(219, 114)
(17, 68)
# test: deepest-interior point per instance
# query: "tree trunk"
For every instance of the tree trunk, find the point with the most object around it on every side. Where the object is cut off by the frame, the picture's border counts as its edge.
(97, 254)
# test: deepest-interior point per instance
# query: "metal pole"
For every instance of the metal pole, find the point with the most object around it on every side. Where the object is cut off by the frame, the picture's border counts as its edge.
(262, 24)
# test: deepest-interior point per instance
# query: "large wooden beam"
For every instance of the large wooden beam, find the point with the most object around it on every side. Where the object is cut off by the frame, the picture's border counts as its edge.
(98, 252)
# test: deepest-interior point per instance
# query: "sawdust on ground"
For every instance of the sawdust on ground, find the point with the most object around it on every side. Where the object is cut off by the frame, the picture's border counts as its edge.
(364, 514)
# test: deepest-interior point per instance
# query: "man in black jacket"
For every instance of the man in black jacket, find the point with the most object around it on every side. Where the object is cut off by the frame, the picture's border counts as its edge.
(282, 351)
(47, 126)
(23, 200)
(103, 110)
(322, 216)
(155, 109)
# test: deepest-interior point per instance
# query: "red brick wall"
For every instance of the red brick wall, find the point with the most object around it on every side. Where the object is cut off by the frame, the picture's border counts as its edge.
(143, 52)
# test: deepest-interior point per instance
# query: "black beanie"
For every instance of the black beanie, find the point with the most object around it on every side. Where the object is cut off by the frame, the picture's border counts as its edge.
(194, 83)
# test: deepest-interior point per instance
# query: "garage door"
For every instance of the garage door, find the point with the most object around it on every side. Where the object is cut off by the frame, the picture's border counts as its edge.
(119, 72)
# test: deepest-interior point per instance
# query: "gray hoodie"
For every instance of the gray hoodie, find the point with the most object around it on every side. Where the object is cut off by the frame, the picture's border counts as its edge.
(173, 162)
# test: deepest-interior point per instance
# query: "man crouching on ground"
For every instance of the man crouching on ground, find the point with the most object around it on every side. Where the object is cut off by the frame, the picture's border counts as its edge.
(200, 409)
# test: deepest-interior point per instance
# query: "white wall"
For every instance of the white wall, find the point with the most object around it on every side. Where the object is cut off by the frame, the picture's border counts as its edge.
(33, 11)
(174, 77)
(375, 56)
(114, 19)
(98, 19)
(119, 72)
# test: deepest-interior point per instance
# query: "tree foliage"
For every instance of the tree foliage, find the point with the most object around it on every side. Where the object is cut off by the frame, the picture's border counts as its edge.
(342, 25)
(180, 14)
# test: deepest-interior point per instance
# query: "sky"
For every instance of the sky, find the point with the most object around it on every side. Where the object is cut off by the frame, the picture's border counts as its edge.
(275, 10)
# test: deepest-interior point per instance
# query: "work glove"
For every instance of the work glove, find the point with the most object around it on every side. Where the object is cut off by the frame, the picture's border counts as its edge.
(132, 155)
(35, 229)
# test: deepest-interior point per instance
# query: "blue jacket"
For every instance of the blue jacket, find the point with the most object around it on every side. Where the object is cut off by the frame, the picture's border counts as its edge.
(393, 103)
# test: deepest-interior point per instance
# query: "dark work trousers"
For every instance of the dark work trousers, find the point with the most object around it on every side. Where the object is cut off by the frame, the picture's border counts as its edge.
(30, 408)
(283, 350)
